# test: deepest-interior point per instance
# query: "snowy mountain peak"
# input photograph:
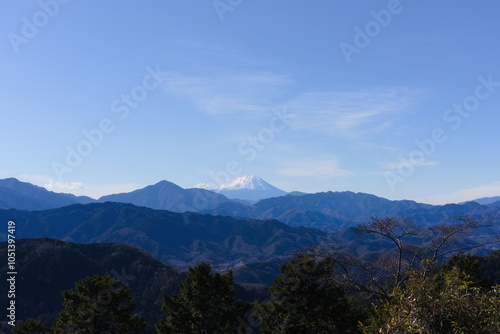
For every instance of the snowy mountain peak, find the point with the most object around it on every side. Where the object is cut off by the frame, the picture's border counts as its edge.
(252, 182)
(250, 187)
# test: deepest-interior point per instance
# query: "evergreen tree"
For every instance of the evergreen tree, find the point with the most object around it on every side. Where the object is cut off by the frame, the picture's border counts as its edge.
(206, 304)
(97, 305)
(490, 268)
(31, 326)
(468, 265)
(305, 300)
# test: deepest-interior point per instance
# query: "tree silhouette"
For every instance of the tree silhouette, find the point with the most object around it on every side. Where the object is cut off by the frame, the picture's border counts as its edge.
(412, 244)
(31, 326)
(206, 304)
(98, 305)
(305, 299)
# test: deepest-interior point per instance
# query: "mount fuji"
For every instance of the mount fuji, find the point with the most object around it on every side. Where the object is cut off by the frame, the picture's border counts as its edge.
(250, 188)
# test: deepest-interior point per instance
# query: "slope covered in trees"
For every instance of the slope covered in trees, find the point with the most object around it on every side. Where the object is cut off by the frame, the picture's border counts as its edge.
(320, 281)
(46, 267)
(304, 298)
(176, 239)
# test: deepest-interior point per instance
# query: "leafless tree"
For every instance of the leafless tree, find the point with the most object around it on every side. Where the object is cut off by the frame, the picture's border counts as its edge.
(412, 244)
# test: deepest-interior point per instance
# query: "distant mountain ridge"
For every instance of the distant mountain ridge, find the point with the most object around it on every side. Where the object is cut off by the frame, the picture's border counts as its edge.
(166, 195)
(487, 200)
(328, 211)
(334, 211)
(345, 206)
(15, 194)
(179, 240)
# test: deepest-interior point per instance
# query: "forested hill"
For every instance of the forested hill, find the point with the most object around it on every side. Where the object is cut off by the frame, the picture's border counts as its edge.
(46, 267)
(177, 239)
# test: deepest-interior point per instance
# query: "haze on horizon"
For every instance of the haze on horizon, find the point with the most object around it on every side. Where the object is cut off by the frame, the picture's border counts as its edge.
(398, 99)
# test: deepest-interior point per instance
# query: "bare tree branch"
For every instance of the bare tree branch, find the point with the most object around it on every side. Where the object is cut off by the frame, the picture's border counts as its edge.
(412, 244)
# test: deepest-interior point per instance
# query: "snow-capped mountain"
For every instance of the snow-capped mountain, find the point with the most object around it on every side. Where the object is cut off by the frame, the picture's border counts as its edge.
(251, 188)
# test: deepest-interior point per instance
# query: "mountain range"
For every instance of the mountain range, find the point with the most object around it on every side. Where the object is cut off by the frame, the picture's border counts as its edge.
(142, 235)
(166, 195)
(488, 200)
(328, 211)
(223, 232)
(15, 194)
(180, 240)
(183, 227)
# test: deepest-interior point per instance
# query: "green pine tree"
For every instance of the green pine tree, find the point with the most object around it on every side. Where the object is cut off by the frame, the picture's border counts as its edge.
(206, 304)
(305, 300)
(469, 266)
(97, 305)
(31, 326)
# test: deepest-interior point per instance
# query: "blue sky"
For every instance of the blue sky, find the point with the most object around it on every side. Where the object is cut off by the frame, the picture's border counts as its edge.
(400, 99)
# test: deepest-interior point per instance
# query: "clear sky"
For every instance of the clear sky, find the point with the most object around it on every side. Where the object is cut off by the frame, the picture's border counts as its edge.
(400, 99)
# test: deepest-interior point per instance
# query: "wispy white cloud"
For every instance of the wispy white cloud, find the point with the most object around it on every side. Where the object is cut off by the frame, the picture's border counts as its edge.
(351, 114)
(230, 92)
(96, 191)
(63, 186)
(50, 184)
(464, 195)
(223, 81)
(77, 188)
(323, 167)
(403, 164)
(228, 83)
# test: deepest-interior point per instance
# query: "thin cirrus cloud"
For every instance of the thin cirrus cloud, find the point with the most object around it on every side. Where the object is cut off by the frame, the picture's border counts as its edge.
(323, 168)
(90, 190)
(227, 83)
(221, 81)
(405, 163)
(247, 93)
(351, 114)
(63, 186)
(77, 188)
(50, 184)
(346, 114)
